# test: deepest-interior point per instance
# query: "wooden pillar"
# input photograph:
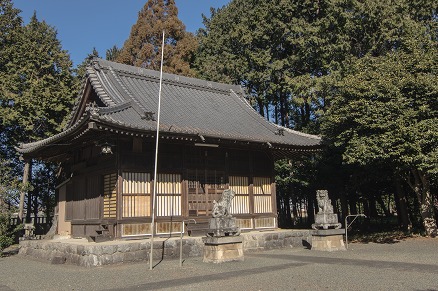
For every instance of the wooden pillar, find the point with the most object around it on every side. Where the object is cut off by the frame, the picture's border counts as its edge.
(119, 191)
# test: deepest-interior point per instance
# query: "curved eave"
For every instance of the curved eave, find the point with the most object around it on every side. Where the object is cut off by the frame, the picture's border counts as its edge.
(35, 149)
(200, 137)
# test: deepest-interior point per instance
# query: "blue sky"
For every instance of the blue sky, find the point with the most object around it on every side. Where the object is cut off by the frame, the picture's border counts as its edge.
(84, 24)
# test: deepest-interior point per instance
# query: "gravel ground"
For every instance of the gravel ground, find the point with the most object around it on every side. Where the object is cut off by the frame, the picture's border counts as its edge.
(406, 265)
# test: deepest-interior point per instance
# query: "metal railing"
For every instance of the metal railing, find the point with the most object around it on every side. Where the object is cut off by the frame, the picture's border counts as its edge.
(348, 225)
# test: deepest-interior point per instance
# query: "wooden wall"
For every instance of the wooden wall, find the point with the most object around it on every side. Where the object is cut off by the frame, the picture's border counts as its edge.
(117, 190)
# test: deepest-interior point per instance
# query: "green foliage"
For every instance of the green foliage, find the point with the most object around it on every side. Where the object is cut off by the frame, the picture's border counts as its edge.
(37, 89)
(386, 110)
(362, 73)
(143, 47)
(112, 53)
(37, 92)
(5, 236)
(81, 68)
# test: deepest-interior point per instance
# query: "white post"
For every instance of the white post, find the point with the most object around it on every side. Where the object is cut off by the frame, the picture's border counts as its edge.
(151, 254)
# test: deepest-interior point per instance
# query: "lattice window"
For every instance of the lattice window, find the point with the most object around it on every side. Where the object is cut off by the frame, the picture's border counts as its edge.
(203, 188)
(240, 186)
(110, 196)
(169, 195)
(136, 194)
(265, 222)
(262, 195)
(262, 185)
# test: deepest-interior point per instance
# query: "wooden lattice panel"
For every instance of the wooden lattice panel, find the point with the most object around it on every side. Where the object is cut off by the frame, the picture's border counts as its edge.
(168, 195)
(135, 229)
(262, 204)
(239, 185)
(168, 205)
(136, 183)
(169, 227)
(110, 196)
(244, 223)
(136, 194)
(262, 185)
(136, 205)
(264, 222)
(240, 204)
(262, 195)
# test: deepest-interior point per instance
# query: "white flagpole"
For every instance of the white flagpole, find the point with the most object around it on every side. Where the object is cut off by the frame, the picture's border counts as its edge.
(151, 254)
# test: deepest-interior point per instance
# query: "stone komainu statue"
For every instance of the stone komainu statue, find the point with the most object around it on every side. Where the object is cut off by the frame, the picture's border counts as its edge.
(324, 203)
(222, 222)
(222, 207)
(325, 218)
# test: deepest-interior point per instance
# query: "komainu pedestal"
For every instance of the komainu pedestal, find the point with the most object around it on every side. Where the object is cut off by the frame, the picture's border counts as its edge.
(328, 240)
(223, 243)
(327, 234)
(223, 249)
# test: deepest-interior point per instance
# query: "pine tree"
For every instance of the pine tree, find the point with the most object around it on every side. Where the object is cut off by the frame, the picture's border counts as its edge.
(143, 47)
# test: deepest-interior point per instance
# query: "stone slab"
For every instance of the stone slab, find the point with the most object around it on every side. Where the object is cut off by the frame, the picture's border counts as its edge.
(222, 240)
(221, 253)
(328, 232)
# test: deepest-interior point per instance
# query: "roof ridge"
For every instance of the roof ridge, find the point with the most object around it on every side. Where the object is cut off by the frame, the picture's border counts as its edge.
(77, 102)
(96, 83)
(168, 77)
(138, 107)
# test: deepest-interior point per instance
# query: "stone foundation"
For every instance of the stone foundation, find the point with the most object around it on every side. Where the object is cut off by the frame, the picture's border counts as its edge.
(328, 240)
(223, 249)
(90, 254)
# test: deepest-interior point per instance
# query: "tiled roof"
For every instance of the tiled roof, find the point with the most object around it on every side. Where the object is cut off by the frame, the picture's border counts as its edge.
(188, 107)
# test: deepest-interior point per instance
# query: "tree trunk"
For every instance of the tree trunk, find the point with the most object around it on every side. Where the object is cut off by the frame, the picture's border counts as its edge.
(353, 204)
(24, 190)
(372, 206)
(421, 187)
(383, 206)
(401, 204)
(310, 209)
(344, 205)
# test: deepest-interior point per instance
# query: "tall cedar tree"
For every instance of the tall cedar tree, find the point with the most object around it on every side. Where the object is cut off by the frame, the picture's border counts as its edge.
(143, 47)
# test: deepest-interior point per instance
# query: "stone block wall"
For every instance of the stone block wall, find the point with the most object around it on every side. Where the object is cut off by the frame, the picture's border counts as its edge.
(83, 253)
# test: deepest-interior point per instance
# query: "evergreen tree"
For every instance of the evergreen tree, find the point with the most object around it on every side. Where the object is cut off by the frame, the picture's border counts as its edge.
(36, 87)
(112, 53)
(81, 68)
(143, 47)
(39, 93)
(295, 58)
(385, 112)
